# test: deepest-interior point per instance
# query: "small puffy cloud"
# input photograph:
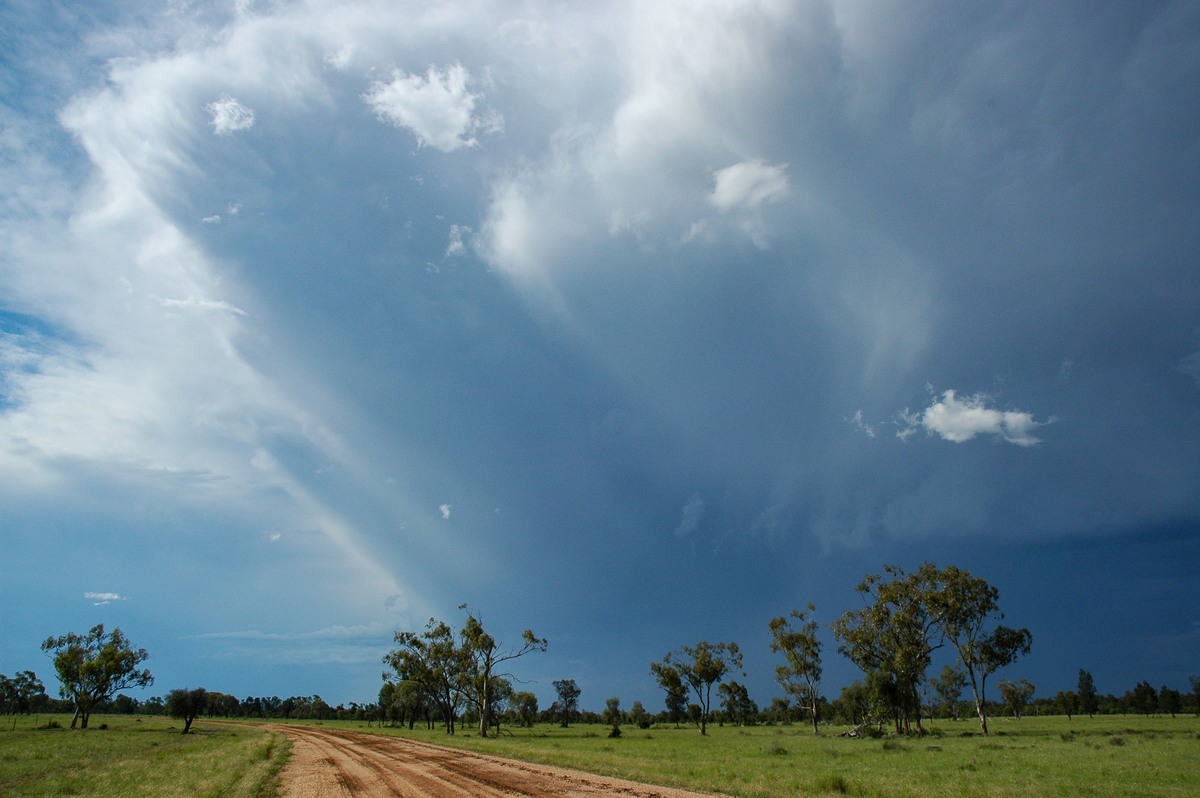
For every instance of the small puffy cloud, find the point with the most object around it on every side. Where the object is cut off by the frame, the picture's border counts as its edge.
(229, 116)
(960, 420)
(444, 509)
(693, 513)
(99, 599)
(456, 245)
(436, 107)
(748, 185)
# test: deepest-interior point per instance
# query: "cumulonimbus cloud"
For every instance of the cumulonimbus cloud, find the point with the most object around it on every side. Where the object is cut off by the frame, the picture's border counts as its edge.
(960, 420)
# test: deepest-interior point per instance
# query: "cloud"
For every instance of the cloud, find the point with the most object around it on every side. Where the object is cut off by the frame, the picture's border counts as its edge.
(437, 108)
(960, 420)
(748, 185)
(229, 116)
(444, 509)
(693, 513)
(456, 245)
(857, 422)
(100, 599)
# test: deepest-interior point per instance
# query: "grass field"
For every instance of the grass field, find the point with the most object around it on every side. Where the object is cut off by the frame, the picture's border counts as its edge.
(122, 756)
(1115, 755)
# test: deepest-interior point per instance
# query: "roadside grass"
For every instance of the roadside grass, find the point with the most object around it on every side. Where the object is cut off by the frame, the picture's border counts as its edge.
(1035, 756)
(121, 756)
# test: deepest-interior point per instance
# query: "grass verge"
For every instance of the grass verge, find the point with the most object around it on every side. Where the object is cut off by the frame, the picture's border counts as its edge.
(121, 756)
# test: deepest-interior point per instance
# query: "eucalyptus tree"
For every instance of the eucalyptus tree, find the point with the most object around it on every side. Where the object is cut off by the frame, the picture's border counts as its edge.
(482, 656)
(700, 667)
(676, 700)
(965, 609)
(95, 666)
(795, 636)
(568, 700)
(435, 661)
(891, 638)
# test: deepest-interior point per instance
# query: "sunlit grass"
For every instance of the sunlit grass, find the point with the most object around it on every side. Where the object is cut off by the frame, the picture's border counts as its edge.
(1114, 755)
(123, 756)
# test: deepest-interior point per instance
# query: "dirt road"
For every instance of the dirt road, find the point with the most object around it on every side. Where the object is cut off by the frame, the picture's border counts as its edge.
(332, 762)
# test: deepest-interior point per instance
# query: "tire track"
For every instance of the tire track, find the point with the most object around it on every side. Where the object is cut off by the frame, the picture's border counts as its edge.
(346, 764)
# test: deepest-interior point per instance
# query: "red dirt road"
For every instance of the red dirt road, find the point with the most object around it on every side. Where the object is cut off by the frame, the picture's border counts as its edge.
(332, 762)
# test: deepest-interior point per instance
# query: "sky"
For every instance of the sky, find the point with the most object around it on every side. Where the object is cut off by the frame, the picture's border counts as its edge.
(635, 324)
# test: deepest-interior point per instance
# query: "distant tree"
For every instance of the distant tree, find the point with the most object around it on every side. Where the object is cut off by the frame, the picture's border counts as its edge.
(482, 655)
(186, 705)
(613, 716)
(568, 700)
(95, 666)
(1194, 681)
(700, 668)
(736, 701)
(1145, 699)
(1067, 702)
(1169, 701)
(948, 686)
(801, 676)
(669, 680)
(434, 661)
(854, 705)
(1088, 702)
(525, 705)
(22, 693)
(1016, 695)
(638, 716)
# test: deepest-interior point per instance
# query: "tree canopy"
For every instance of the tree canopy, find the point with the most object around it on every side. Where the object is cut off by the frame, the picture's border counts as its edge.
(93, 667)
(699, 667)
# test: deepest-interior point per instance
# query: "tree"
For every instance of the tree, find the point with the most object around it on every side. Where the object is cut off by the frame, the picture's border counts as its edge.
(525, 705)
(736, 701)
(1145, 699)
(482, 655)
(568, 700)
(700, 668)
(433, 661)
(93, 667)
(613, 716)
(638, 716)
(20, 694)
(892, 638)
(186, 705)
(669, 680)
(1067, 702)
(1087, 693)
(1169, 701)
(949, 686)
(1194, 681)
(1016, 695)
(963, 606)
(798, 643)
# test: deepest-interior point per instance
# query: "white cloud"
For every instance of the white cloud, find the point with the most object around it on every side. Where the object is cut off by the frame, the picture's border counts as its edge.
(229, 116)
(960, 420)
(748, 185)
(437, 108)
(857, 422)
(444, 509)
(456, 246)
(693, 513)
(100, 599)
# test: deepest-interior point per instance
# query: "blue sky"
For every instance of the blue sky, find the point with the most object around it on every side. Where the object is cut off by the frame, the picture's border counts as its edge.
(636, 324)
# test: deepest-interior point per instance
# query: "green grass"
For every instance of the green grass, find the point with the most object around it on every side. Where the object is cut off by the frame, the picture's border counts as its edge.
(123, 756)
(1117, 756)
